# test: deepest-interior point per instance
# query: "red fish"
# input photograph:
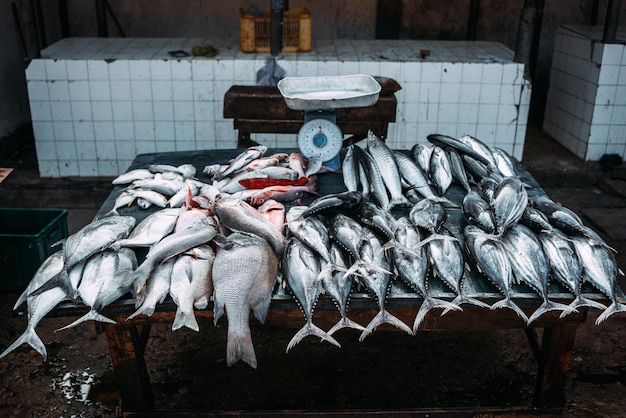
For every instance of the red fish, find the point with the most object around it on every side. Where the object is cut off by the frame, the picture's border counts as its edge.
(263, 182)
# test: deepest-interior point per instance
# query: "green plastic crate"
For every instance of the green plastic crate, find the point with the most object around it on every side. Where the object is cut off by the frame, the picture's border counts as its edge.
(26, 236)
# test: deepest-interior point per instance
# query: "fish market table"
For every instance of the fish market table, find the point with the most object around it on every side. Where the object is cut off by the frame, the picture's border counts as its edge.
(550, 338)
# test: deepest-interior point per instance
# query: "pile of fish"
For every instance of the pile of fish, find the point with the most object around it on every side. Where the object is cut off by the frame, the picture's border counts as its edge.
(437, 212)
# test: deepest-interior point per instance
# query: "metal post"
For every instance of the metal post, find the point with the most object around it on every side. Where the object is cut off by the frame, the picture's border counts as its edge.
(525, 34)
(611, 21)
(472, 23)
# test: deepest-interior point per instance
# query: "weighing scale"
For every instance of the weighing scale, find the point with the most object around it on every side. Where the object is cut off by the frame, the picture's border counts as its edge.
(320, 139)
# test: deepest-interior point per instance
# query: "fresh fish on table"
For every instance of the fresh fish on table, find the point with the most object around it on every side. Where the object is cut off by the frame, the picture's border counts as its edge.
(146, 198)
(458, 170)
(440, 170)
(288, 194)
(560, 217)
(504, 162)
(184, 170)
(309, 230)
(378, 219)
(297, 162)
(492, 259)
(241, 160)
(338, 286)
(301, 270)
(480, 148)
(378, 280)
(536, 220)
(350, 170)
(461, 146)
(160, 184)
(386, 162)
(565, 266)
(478, 212)
(509, 203)
(40, 305)
(191, 285)
(428, 214)
(132, 175)
(600, 270)
(413, 175)
(151, 230)
(348, 233)
(239, 216)
(421, 154)
(348, 202)
(374, 176)
(156, 289)
(176, 243)
(103, 282)
(531, 266)
(243, 276)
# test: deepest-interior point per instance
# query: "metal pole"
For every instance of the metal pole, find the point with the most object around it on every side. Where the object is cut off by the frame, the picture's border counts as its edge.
(472, 24)
(611, 21)
(525, 34)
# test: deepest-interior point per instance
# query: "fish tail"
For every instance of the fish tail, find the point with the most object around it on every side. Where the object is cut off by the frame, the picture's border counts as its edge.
(431, 303)
(185, 319)
(345, 322)
(460, 299)
(311, 329)
(580, 302)
(547, 306)
(261, 308)
(92, 315)
(239, 347)
(145, 309)
(400, 201)
(31, 338)
(509, 304)
(384, 317)
(615, 307)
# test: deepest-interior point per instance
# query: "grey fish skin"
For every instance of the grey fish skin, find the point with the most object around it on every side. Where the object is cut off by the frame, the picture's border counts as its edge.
(348, 202)
(241, 160)
(601, 270)
(309, 230)
(130, 176)
(167, 188)
(477, 212)
(559, 216)
(449, 143)
(176, 243)
(421, 156)
(40, 305)
(191, 285)
(338, 286)
(504, 162)
(536, 220)
(151, 230)
(239, 216)
(374, 176)
(480, 148)
(530, 265)
(348, 233)
(428, 214)
(565, 266)
(350, 170)
(378, 219)
(156, 289)
(377, 279)
(103, 282)
(413, 175)
(302, 271)
(509, 203)
(491, 258)
(386, 162)
(149, 197)
(243, 276)
(440, 171)
(458, 169)
(448, 263)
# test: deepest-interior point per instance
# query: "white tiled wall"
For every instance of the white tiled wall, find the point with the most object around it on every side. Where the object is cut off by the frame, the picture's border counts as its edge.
(97, 103)
(586, 106)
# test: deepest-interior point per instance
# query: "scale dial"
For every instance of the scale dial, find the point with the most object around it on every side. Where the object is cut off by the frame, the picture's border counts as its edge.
(320, 139)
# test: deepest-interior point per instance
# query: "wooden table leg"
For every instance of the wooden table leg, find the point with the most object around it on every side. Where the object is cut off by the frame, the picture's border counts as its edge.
(554, 361)
(126, 347)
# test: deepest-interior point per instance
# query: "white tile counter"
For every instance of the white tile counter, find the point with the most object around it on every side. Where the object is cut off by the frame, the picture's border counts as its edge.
(98, 102)
(586, 106)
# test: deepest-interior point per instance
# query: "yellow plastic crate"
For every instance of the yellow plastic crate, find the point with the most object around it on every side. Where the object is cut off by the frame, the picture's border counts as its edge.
(255, 31)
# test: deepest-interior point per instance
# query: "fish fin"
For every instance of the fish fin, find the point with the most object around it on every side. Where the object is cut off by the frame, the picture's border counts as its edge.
(400, 201)
(184, 319)
(222, 242)
(61, 280)
(580, 302)
(469, 300)
(143, 309)
(261, 308)
(311, 329)
(239, 347)
(431, 303)
(345, 322)
(92, 315)
(31, 338)
(384, 317)
(21, 299)
(615, 307)
(547, 306)
(202, 302)
(218, 311)
(508, 303)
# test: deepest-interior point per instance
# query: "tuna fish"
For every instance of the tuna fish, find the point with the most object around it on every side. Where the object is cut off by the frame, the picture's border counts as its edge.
(348, 202)
(243, 275)
(309, 230)
(440, 170)
(478, 212)
(509, 203)
(350, 170)
(386, 162)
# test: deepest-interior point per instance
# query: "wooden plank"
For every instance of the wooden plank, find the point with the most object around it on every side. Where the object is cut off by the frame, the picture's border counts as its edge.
(129, 366)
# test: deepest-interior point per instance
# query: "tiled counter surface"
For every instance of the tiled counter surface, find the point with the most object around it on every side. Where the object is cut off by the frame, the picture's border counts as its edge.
(586, 106)
(98, 102)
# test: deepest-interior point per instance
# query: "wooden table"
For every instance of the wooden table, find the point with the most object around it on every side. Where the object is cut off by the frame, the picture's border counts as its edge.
(552, 347)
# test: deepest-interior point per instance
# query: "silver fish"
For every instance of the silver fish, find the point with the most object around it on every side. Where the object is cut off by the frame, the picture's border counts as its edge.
(504, 162)
(167, 188)
(40, 305)
(176, 243)
(421, 156)
(449, 143)
(386, 162)
(239, 216)
(151, 230)
(350, 170)
(348, 233)
(458, 169)
(530, 266)
(191, 285)
(103, 282)
(536, 220)
(338, 286)
(374, 176)
(148, 196)
(130, 176)
(448, 263)
(191, 189)
(478, 212)
(565, 266)
(378, 219)
(428, 214)
(156, 289)
(378, 280)
(413, 175)
(440, 171)
(243, 277)
(241, 160)
(480, 148)
(309, 230)
(491, 258)
(302, 272)
(509, 203)
(560, 217)
(601, 270)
